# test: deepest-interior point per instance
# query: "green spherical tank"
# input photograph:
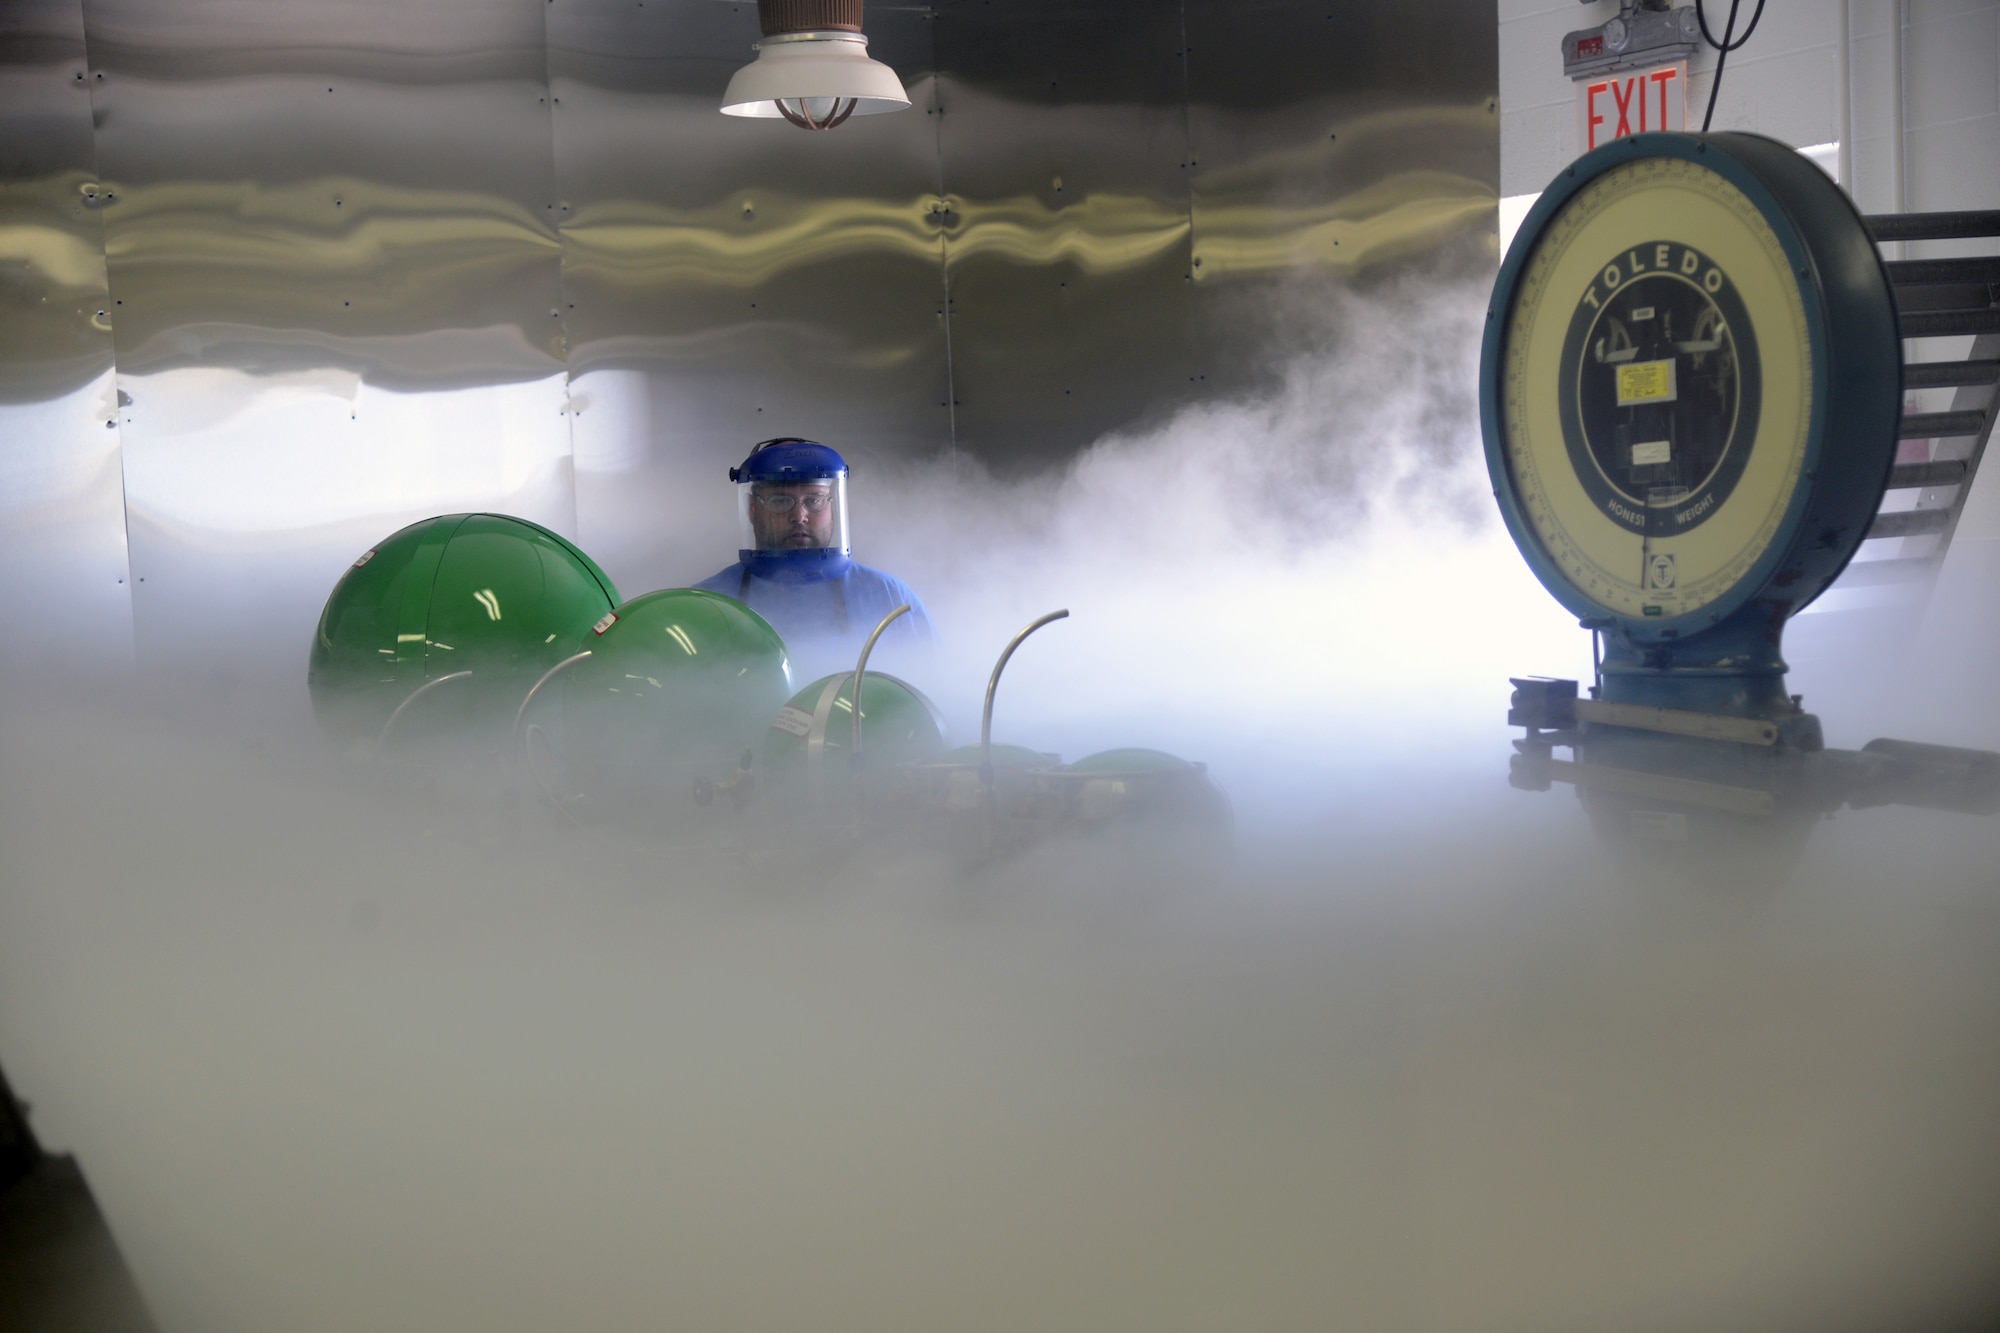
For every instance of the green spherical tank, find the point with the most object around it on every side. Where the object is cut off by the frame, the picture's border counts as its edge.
(812, 737)
(499, 598)
(678, 685)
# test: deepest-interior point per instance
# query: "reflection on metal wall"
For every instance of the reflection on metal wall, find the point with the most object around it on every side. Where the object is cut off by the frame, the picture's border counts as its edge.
(370, 261)
(1064, 139)
(67, 585)
(1127, 180)
(1326, 141)
(1336, 138)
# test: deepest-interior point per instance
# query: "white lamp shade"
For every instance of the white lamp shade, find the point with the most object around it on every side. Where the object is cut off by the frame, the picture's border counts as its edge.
(813, 65)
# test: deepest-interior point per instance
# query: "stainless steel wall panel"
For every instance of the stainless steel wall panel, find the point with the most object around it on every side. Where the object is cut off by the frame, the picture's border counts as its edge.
(332, 242)
(282, 194)
(1274, 55)
(1337, 136)
(1271, 196)
(761, 279)
(64, 575)
(1063, 133)
(54, 331)
(1329, 141)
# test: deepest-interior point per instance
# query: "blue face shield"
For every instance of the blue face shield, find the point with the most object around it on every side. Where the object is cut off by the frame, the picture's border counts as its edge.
(791, 504)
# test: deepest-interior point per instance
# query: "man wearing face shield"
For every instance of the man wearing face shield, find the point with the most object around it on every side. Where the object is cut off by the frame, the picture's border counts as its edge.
(795, 568)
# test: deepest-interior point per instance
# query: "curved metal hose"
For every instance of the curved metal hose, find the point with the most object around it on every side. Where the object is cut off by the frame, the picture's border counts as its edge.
(514, 737)
(861, 670)
(382, 739)
(986, 718)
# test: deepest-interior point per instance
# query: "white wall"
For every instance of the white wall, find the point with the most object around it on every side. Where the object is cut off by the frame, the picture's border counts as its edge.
(1786, 82)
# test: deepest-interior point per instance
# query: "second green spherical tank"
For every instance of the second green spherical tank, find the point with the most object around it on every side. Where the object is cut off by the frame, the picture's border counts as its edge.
(678, 685)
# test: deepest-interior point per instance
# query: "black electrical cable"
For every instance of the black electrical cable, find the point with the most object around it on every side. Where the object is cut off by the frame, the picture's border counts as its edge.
(1730, 42)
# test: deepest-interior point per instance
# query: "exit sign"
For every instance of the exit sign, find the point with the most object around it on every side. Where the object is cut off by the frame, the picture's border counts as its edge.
(1637, 101)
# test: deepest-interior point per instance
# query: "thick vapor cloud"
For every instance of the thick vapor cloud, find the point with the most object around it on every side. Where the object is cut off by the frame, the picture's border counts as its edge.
(362, 1048)
(1315, 572)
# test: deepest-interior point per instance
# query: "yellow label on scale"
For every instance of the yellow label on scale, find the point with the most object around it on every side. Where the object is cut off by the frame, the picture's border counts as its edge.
(1645, 382)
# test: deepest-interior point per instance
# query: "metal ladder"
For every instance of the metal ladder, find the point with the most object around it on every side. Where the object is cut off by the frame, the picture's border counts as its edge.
(1937, 298)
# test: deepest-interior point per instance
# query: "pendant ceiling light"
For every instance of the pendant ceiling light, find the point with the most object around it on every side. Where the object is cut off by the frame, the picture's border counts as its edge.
(812, 67)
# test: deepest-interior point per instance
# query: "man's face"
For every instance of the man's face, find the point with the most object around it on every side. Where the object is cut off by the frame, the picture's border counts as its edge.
(792, 517)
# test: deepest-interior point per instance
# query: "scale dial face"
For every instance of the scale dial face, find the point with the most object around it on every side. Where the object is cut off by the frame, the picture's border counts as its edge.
(1656, 390)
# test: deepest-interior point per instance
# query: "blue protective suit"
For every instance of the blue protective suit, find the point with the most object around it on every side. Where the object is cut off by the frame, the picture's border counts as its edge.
(825, 612)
